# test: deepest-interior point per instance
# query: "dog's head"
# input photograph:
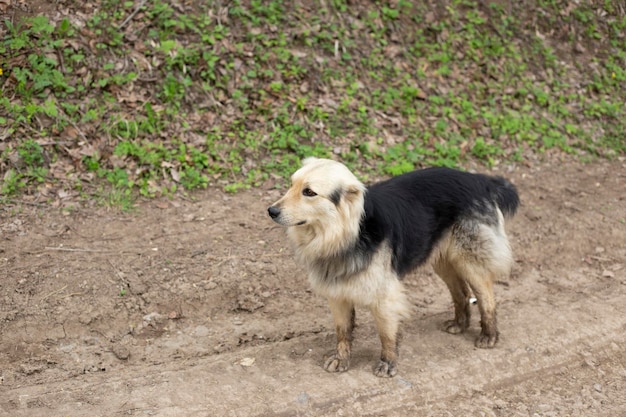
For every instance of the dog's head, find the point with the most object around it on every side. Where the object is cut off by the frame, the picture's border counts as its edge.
(325, 200)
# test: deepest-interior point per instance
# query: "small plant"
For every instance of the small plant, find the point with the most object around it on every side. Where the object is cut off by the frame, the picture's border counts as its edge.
(12, 182)
(485, 151)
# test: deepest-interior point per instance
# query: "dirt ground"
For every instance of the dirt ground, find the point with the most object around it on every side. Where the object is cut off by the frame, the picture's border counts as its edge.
(197, 308)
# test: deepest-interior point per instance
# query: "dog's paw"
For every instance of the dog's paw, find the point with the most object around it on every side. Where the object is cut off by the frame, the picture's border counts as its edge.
(385, 369)
(486, 341)
(335, 363)
(453, 327)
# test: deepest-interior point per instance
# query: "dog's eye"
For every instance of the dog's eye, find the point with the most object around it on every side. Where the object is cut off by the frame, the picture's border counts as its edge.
(307, 192)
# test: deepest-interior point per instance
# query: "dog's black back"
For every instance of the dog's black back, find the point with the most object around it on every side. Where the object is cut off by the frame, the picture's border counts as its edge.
(412, 211)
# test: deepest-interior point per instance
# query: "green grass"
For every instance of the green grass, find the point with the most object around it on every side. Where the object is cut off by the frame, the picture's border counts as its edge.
(167, 100)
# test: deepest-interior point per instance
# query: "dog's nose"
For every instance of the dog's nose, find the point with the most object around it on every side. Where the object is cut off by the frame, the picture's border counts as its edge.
(273, 211)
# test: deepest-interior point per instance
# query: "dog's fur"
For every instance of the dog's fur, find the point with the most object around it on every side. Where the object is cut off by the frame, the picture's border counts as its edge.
(358, 242)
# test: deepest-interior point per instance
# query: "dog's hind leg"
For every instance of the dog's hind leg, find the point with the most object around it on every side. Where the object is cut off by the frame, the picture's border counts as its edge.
(481, 254)
(481, 282)
(344, 317)
(460, 296)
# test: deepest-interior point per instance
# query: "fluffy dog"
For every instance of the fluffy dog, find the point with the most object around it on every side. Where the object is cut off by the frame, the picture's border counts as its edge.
(357, 242)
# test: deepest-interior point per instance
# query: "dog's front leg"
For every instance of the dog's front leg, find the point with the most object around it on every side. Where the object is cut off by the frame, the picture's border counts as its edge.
(344, 318)
(388, 324)
(391, 308)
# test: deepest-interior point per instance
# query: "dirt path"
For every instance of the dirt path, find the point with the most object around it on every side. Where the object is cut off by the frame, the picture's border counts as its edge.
(198, 309)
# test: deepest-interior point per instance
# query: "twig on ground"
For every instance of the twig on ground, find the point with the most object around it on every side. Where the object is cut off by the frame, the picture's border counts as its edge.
(76, 249)
(72, 294)
(130, 16)
(54, 292)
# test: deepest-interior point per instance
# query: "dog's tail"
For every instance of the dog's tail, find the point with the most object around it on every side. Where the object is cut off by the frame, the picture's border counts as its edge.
(506, 196)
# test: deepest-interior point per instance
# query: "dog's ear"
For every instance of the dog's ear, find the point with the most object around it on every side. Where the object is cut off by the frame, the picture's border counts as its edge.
(308, 160)
(354, 191)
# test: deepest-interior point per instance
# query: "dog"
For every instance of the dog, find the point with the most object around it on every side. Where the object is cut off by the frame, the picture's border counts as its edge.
(358, 242)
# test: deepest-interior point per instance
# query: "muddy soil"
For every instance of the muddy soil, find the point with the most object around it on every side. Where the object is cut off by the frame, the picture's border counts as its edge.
(197, 308)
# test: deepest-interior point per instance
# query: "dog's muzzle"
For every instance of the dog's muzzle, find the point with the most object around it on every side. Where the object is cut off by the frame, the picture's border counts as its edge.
(274, 212)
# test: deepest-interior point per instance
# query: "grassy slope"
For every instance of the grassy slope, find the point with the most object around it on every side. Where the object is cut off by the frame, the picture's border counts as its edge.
(162, 97)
